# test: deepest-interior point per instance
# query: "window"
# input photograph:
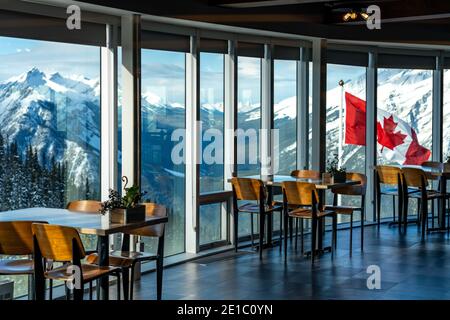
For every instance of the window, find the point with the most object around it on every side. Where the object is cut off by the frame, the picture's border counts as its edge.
(285, 113)
(344, 80)
(213, 223)
(212, 117)
(212, 166)
(249, 123)
(49, 154)
(446, 115)
(163, 112)
(404, 120)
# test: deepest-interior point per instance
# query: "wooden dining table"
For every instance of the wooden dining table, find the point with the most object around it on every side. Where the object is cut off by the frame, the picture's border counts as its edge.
(85, 223)
(275, 181)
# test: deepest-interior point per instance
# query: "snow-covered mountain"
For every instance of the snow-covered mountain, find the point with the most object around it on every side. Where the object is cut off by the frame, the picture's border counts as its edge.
(58, 116)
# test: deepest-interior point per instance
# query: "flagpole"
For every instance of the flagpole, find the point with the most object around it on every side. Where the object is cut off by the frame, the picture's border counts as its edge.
(341, 120)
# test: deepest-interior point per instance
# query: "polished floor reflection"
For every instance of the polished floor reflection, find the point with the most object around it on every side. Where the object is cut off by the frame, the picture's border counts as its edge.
(410, 269)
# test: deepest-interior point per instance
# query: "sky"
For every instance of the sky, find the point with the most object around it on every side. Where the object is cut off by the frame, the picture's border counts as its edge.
(21, 55)
(163, 72)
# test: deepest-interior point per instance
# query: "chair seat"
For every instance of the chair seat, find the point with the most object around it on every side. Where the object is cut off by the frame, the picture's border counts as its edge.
(18, 266)
(123, 259)
(307, 213)
(90, 272)
(343, 209)
(254, 208)
(431, 194)
(394, 192)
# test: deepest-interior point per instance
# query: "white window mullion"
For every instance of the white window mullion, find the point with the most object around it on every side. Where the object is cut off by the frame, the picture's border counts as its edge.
(193, 146)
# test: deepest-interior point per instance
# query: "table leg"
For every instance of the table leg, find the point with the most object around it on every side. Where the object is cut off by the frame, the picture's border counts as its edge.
(103, 260)
(269, 217)
(442, 201)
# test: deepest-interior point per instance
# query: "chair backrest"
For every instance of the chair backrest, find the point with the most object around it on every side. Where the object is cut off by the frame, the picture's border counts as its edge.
(247, 189)
(86, 206)
(306, 174)
(300, 193)
(151, 210)
(389, 175)
(354, 190)
(56, 242)
(16, 237)
(433, 164)
(415, 177)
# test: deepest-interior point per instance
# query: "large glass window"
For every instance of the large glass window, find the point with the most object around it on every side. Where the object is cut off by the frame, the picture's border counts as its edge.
(446, 115)
(342, 116)
(285, 114)
(163, 112)
(49, 154)
(212, 118)
(212, 167)
(345, 124)
(404, 120)
(249, 123)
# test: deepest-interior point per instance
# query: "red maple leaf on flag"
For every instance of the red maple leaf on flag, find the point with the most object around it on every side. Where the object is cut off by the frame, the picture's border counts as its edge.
(387, 136)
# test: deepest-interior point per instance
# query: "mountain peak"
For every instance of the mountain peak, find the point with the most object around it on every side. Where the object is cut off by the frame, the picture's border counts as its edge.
(35, 77)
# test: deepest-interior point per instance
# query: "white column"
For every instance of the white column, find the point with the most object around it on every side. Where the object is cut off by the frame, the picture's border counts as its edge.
(265, 142)
(230, 113)
(193, 145)
(131, 97)
(109, 113)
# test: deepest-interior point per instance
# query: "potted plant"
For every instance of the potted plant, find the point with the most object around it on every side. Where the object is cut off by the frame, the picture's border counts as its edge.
(339, 173)
(124, 209)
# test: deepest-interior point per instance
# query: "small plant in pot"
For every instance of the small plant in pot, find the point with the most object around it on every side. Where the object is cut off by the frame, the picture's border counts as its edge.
(339, 173)
(124, 209)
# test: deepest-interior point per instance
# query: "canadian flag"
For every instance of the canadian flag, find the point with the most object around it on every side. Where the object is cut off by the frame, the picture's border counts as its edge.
(396, 139)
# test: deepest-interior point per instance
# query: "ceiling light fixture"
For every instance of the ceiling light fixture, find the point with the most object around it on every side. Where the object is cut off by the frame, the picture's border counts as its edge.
(353, 15)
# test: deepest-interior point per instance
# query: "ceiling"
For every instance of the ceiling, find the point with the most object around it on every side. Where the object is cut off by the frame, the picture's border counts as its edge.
(414, 21)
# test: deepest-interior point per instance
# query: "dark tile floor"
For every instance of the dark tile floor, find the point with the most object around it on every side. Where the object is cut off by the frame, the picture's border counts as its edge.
(410, 269)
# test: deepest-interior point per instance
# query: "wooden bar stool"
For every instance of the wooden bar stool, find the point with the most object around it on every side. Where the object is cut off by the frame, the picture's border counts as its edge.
(304, 196)
(127, 260)
(246, 189)
(63, 244)
(16, 239)
(354, 190)
(417, 179)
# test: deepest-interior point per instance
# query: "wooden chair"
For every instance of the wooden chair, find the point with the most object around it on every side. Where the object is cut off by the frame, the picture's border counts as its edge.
(16, 239)
(85, 206)
(127, 260)
(439, 166)
(246, 189)
(417, 179)
(301, 174)
(354, 190)
(63, 244)
(391, 179)
(306, 174)
(304, 195)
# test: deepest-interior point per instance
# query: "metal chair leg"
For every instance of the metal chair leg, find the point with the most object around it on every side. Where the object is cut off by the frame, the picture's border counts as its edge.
(302, 246)
(351, 234)
(252, 231)
(296, 234)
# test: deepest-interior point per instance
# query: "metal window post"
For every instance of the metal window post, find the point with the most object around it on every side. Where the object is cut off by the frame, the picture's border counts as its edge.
(193, 148)
(319, 107)
(230, 140)
(438, 109)
(371, 133)
(303, 109)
